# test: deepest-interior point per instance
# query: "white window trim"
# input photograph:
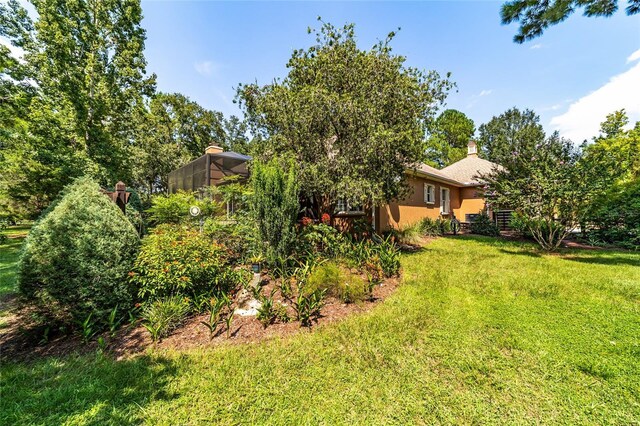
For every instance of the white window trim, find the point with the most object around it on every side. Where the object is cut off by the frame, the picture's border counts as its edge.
(445, 202)
(429, 190)
(348, 210)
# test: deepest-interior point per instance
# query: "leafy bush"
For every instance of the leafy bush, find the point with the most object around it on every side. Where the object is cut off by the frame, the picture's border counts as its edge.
(484, 226)
(548, 233)
(615, 218)
(161, 316)
(237, 235)
(389, 257)
(275, 207)
(518, 224)
(174, 208)
(338, 282)
(77, 256)
(322, 239)
(178, 261)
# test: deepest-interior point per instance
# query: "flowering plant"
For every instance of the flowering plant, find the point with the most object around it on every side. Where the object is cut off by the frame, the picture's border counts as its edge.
(326, 218)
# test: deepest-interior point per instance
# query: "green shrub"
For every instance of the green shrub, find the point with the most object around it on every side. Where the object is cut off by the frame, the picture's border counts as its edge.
(409, 234)
(161, 316)
(77, 256)
(615, 217)
(389, 256)
(174, 208)
(547, 233)
(177, 261)
(338, 282)
(275, 207)
(484, 226)
(433, 227)
(324, 277)
(237, 235)
(321, 239)
(518, 224)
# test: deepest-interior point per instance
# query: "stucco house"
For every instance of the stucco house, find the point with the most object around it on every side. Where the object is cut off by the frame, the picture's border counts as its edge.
(453, 190)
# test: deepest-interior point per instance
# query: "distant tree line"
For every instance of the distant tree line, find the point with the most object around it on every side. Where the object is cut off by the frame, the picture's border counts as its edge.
(80, 102)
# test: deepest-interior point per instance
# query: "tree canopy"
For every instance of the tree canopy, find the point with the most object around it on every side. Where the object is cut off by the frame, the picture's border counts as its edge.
(354, 120)
(509, 134)
(448, 140)
(79, 102)
(535, 16)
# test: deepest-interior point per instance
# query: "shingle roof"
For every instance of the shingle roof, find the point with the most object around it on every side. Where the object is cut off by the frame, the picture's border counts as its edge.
(435, 173)
(466, 171)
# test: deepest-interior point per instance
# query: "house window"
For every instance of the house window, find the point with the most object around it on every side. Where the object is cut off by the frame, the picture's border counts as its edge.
(429, 194)
(344, 207)
(445, 201)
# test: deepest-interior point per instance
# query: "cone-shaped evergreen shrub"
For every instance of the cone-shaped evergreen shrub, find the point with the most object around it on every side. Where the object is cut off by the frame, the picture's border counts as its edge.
(77, 256)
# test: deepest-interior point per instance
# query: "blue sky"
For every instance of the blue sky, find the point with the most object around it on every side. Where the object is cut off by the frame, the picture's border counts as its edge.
(204, 49)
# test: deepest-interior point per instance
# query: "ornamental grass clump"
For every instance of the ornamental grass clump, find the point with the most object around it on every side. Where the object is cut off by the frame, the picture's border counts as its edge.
(77, 256)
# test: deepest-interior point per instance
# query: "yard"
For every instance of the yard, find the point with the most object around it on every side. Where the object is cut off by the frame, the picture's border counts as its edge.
(481, 331)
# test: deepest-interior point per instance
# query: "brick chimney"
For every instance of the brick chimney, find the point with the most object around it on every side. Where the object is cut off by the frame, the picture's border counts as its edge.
(213, 149)
(472, 149)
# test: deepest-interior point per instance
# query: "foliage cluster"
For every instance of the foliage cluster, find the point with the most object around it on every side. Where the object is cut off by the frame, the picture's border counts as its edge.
(174, 208)
(483, 225)
(353, 120)
(615, 219)
(77, 256)
(161, 316)
(174, 260)
(275, 207)
(339, 282)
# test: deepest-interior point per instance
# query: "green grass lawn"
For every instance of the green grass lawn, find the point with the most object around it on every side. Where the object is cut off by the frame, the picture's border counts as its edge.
(481, 331)
(9, 252)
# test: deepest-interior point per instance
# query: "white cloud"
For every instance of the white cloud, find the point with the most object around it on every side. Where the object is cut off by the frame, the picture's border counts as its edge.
(205, 68)
(536, 46)
(582, 120)
(634, 56)
(485, 92)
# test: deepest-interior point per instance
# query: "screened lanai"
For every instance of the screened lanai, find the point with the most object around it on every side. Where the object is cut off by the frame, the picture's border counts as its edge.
(208, 170)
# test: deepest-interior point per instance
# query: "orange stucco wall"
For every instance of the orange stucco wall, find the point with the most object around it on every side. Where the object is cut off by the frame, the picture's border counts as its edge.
(413, 208)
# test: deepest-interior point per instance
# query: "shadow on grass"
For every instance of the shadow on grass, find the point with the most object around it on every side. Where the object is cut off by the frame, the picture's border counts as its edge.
(527, 253)
(84, 389)
(599, 260)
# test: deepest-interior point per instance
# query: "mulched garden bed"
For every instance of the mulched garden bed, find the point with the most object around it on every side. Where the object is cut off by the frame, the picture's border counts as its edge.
(21, 341)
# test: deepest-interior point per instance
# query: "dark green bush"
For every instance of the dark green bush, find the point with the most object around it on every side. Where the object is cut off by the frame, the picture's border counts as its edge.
(275, 207)
(77, 256)
(615, 217)
(178, 261)
(518, 223)
(483, 225)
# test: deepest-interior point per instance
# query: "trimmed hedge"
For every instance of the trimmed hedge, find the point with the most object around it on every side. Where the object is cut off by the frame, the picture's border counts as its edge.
(77, 256)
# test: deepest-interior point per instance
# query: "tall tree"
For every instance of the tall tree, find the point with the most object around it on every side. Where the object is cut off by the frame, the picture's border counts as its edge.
(546, 186)
(85, 58)
(510, 134)
(172, 131)
(236, 138)
(354, 120)
(449, 138)
(535, 16)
